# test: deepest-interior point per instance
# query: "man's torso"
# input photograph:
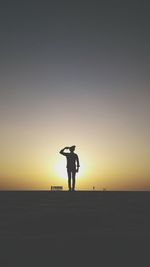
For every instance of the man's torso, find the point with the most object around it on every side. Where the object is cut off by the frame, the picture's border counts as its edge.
(71, 160)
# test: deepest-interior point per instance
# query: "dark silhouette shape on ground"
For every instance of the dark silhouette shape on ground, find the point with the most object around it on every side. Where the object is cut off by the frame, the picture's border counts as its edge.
(72, 165)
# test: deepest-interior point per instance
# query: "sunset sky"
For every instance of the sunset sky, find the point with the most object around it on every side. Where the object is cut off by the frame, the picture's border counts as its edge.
(75, 73)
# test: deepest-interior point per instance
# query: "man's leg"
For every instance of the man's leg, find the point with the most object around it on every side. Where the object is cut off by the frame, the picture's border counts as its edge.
(73, 180)
(69, 179)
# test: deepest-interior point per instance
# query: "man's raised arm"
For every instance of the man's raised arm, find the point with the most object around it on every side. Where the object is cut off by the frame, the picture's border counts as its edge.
(62, 151)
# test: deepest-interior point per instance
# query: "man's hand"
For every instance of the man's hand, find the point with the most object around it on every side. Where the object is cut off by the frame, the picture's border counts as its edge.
(62, 151)
(77, 169)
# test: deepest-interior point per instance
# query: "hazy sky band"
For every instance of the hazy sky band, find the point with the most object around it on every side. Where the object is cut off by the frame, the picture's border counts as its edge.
(75, 73)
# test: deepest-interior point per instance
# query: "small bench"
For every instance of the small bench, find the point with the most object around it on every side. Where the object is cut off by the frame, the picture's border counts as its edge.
(56, 188)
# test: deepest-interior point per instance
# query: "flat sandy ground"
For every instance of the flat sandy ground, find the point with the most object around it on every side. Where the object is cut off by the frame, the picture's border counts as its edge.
(74, 229)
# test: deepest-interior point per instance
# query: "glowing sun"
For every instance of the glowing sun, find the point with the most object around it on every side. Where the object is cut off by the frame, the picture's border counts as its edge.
(60, 168)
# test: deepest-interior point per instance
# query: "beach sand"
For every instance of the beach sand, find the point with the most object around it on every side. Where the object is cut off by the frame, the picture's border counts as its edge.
(41, 228)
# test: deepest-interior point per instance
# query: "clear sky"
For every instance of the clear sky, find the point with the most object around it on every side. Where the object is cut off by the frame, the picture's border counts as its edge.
(75, 73)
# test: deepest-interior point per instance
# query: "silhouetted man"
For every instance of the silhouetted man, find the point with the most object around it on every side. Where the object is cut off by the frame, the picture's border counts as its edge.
(72, 165)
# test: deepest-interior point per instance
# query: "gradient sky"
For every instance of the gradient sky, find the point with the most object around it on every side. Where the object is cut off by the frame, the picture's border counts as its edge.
(75, 73)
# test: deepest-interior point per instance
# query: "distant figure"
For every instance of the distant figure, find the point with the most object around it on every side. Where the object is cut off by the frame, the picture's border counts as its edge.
(72, 165)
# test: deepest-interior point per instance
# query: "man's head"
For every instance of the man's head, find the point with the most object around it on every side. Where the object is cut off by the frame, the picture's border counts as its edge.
(72, 148)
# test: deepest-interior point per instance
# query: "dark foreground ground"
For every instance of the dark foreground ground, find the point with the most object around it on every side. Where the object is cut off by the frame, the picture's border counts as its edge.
(74, 229)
